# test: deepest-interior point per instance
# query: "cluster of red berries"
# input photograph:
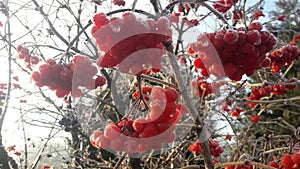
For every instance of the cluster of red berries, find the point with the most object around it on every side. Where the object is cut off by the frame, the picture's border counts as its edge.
(287, 161)
(143, 134)
(284, 56)
(239, 167)
(119, 2)
(146, 90)
(234, 110)
(215, 148)
(202, 88)
(223, 6)
(186, 7)
(28, 59)
(130, 43)
(68, 78)
(233, 52)
(265, 91)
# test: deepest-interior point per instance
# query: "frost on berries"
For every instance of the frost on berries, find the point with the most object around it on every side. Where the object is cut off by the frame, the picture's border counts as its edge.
(233, 52)
(132, 44)
(67, 78)
(143, 133)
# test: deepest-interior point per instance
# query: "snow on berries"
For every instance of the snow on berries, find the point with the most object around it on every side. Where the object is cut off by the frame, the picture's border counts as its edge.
(130, 43)
(232, 53)
(143, 133)
(284, 56)
(67, 78)
(223, 6)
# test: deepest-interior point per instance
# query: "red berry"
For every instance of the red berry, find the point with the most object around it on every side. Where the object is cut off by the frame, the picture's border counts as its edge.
(231, 36)
(255, 119)
(255, 26)
(117, 144)
(112, 131)
(171, 94)
(286, 161)
(248, 48)
(34, 60)
(228, 137)
(130, 146)
(253, 37)
(149, 130)
(99, 81)
(273, 164)
(296, 158)
(119, 2)
(100, 19)
(139, 124)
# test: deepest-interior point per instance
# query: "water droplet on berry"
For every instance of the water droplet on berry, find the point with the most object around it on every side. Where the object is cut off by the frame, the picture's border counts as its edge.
(204, 43)
(116, 29)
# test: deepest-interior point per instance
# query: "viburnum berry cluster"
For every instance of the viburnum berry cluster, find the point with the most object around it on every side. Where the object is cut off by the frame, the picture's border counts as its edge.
(287, 161)
(284, 56)
(28, 59)
(186, 7)
(234, 52)
(146, 90)
(215, 148)
(223, 6)
(129, 42)
(67, 78)
(265, 91)
(143, 134)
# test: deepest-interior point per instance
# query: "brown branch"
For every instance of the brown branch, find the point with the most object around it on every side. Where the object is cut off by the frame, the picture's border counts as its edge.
(40, 9)
(3, 154)
(192, 109)
(120, 161)
(243, 163)
(273, 101)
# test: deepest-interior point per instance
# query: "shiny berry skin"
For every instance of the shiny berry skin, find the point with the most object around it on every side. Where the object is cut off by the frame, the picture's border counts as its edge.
(100, 19)
(171, 94)
(286, 161)
(296, 158)
(273, 164)
(139, 124)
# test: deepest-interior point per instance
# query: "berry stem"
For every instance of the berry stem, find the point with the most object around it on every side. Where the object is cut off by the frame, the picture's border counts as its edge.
(218, 14)
(192, 109)
(120, 161)
(141, 93)
(172, 4)
(157, 81)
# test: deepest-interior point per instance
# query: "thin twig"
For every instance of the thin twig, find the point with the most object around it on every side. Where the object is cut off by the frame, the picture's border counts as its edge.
(120, 161)
(192, 109)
